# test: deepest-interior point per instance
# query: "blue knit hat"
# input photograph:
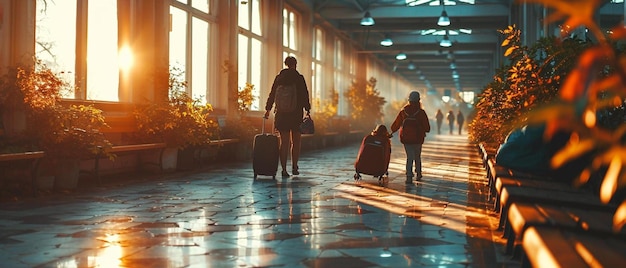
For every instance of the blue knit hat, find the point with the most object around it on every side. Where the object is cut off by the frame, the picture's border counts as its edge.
(414, 96)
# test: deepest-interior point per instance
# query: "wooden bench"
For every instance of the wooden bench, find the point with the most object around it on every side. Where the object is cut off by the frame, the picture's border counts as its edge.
(532, 182)
(127, 149)
(487, 151)
(28, 159)
(522, 216)
(555, 247)
(511, 195)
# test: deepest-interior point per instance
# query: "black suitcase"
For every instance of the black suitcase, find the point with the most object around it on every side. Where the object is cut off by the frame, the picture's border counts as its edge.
(265, 154)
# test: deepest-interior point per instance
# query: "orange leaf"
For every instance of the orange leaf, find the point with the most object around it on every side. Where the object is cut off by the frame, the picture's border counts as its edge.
(509, 51)
(619, 218)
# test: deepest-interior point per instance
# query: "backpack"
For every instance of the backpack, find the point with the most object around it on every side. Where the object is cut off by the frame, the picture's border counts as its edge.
(286, 98)
(411, 131)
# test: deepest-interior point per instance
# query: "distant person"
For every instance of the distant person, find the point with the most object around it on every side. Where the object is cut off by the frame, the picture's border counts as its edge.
(451, 118)
(439, 117)
(290, 102)
(460, 119)
(413, 124)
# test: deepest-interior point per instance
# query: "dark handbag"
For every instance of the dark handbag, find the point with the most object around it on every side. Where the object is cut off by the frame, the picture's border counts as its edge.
(307, 126)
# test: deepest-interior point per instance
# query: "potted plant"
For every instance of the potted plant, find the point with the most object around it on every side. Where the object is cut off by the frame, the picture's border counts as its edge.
(182, 122)
(366, 104)
(66, 133)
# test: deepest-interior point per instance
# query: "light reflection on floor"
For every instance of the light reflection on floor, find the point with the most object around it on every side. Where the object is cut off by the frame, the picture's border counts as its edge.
(220, 217)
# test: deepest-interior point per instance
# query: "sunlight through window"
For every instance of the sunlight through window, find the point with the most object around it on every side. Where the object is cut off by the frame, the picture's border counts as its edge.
(56, 37)
(103, 63)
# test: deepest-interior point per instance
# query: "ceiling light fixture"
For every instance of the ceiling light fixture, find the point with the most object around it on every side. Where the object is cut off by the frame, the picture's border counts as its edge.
(367, 19)
(411, 66)
(444, 20)
(401, 56)
(445, 42)
(387, 42)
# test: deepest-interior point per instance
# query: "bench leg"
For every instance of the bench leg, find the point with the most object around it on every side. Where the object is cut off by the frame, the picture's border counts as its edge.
(34, 170)
(96, 168)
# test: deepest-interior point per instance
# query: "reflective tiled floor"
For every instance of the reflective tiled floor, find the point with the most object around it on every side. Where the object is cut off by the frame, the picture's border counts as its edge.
(221, 217)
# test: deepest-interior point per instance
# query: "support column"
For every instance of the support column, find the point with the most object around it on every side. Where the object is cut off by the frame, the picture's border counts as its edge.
(17, 32)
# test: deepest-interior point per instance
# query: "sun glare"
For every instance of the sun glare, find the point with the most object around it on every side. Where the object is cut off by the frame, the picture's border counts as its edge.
(126, 58)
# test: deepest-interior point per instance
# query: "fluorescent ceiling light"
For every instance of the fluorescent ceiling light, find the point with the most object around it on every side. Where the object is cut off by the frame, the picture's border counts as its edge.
(427, 32)
(443, 32)
(416, 2)
(445, 3)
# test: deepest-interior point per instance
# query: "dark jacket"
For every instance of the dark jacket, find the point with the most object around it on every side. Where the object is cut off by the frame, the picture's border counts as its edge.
(290, 76)
(410, 109)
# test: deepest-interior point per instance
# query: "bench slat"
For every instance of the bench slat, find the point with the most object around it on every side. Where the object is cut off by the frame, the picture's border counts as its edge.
(21, 156)
(136, 147)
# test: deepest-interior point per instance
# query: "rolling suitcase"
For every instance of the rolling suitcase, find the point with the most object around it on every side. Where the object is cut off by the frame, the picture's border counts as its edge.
(265, 154)
(373, 157)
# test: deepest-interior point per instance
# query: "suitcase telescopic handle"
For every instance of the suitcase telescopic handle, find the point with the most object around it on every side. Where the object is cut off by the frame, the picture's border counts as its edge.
(263, 127)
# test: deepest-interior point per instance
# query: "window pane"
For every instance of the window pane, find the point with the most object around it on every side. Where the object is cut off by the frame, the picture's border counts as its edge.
(338, 54)
(202, 5)
(256, 17)
(199, 59)
(178, 38)
(319, 43)
(102, 51)
(56, 37)
(292, 31)
(318, 81)
(255, 72)
(244, 20)
(242, 75)
(285, 28)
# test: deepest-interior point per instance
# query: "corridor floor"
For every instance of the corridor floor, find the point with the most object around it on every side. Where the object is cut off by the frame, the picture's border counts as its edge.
(221, 217)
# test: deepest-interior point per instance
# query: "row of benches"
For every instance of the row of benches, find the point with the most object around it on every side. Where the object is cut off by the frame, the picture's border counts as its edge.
(548, 223)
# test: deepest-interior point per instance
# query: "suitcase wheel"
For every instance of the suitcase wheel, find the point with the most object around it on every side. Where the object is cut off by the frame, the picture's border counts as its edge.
(357, 176)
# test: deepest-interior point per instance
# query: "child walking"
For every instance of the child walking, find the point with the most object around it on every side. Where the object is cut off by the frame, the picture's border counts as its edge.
(413, 124)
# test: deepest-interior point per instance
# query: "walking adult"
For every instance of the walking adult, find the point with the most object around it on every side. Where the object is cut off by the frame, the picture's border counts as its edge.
(451, 118)
(412, 134)
(439, 118)
(460, 119)
(287, 122)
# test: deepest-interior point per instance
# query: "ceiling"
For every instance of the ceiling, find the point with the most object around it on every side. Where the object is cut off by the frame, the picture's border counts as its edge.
(415, 32)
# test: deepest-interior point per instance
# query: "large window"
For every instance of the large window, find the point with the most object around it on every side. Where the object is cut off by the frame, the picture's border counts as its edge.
(103, 62)
(190, 46)
(317, 65)
(290, 31)
(250, 47)
(56, 40)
